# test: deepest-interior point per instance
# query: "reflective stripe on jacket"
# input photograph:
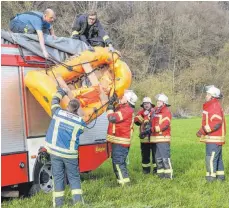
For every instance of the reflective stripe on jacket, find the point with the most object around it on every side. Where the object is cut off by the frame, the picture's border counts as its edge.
(62, 137)
(161, 125)
(213, 122)
(120, 131)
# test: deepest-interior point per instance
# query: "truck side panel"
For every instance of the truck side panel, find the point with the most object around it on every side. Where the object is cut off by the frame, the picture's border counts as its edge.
(13, 138)
(14, 169)
(92, 156)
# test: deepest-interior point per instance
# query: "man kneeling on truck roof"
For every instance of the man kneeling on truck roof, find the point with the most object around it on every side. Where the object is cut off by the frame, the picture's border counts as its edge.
(34, 23)
(62, 141)
(87, 28)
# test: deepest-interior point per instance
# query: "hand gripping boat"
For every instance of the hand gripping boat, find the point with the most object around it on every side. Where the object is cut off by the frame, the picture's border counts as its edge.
(92, 78)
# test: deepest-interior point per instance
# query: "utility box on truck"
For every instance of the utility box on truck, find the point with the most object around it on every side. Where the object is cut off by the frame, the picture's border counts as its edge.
(24, 125)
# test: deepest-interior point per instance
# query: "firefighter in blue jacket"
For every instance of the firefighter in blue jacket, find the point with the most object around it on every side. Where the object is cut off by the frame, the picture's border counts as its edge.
(87, 28)
(62, 141)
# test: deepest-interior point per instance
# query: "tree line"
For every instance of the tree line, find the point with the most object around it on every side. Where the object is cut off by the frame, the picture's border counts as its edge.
(171, 47)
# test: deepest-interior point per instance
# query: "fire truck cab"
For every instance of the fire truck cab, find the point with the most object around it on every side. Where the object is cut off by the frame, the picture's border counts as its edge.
(24, 124)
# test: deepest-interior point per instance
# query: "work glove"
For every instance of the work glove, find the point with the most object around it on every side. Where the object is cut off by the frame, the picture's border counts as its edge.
(200, 133)
(111, 48)
(145, 133)
(43, 156)
(113, 99)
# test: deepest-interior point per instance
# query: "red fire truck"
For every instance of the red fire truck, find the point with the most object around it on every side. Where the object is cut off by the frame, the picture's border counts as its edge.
(24, 125)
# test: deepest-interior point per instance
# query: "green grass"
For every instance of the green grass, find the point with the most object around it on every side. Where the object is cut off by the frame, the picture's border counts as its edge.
(188, 189)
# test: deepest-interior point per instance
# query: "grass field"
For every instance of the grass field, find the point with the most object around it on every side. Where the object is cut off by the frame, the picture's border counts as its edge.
(187, 189)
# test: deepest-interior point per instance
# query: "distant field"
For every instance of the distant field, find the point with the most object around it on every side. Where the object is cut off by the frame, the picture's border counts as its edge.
(187, 189)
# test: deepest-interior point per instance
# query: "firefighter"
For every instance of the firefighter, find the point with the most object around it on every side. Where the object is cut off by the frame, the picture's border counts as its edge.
(87, 27)
(212, 133)
(160, 134)
(119, 133)
(142, 119)
(34, 23)
(62, 141)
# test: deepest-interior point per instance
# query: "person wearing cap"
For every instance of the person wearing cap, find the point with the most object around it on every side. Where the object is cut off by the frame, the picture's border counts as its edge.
(212, 133)
(87, 28)
(160, 135)
(142, 119)
(119, 133)
(62, 142)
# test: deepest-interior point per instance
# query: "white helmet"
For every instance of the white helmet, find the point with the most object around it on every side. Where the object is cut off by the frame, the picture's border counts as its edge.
(131, 96)
(147, 100)
(213, 91)
(162, 97)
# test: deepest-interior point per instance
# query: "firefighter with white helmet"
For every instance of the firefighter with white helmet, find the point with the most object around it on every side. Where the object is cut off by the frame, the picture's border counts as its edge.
(119, 132)
(160, 134)
(212, 133)
(142, 119)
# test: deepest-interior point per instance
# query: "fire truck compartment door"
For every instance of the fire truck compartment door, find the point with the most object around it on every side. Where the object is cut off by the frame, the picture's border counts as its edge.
(12, 133)
(14, 169)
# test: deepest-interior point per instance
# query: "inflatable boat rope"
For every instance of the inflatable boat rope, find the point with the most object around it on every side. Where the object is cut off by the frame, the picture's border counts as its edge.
(92, 78)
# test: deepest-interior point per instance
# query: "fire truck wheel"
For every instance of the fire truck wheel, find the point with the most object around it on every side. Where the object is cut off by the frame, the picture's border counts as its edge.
(42, 178)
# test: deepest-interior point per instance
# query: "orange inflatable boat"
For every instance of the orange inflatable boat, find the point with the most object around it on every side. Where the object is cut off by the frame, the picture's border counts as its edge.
(92, 78)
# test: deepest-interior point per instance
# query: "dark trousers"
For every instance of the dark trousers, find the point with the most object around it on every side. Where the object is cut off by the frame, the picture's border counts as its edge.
(164, 166)
(214, 162)
(119, 155)
(148, 149)
(59, 167)
(97, 41)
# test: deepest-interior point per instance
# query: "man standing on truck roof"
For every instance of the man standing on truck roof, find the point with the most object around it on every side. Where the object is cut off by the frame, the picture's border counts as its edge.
(34, 22)
(87, 27)
(62, 142)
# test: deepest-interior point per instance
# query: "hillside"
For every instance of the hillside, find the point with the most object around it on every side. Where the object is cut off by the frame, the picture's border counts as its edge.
(171, 47)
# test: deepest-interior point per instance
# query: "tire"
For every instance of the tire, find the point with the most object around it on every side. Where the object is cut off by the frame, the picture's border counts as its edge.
(42, 179)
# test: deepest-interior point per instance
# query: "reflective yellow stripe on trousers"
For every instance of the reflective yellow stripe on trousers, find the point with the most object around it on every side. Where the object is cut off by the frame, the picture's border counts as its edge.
(146, 165)
(212, 165)
(55, 195)
(77, 191)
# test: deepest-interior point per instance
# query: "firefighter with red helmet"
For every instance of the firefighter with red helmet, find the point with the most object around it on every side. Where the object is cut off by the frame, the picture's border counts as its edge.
(119, 133)
(160, 134)
(212, 133)
(142, 119)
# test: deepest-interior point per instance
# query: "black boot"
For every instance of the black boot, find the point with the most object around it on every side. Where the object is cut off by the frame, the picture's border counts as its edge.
(146, 170)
